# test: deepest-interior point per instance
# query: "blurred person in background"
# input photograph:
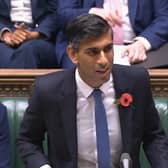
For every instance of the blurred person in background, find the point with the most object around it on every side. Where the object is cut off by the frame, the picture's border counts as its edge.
(27, 28)
(139, 26)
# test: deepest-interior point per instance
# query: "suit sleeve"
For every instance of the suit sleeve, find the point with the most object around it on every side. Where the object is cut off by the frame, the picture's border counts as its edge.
(5, 146)
(156, 32)
(32, 131)
(47, 21)
(155, 142)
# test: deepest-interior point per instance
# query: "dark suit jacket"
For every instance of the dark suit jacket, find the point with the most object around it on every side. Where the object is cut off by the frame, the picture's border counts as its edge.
(42, 13)
(149, 19)
(52, 109)
(5, 147)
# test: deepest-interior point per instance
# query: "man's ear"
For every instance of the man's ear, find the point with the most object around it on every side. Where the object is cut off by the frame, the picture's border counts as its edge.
(72, 54)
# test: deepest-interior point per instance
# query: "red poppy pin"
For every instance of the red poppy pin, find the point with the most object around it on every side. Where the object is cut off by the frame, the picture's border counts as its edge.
(125, 100)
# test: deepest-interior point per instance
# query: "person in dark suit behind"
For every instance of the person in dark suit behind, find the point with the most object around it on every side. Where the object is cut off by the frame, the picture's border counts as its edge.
(144, 24)
(27, 29)
(5, 146)
(62, 106)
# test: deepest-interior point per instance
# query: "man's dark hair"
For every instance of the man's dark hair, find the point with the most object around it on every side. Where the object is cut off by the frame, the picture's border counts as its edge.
(85, 26)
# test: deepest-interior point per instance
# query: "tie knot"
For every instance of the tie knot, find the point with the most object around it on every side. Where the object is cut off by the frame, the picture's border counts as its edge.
(96, 92)
(97, 95)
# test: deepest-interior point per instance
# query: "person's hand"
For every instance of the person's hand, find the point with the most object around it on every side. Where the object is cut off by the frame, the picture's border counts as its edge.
(22, 34)
(135, 52)
(112, 18)
(18, 36)
(32, 35)
(6, 36)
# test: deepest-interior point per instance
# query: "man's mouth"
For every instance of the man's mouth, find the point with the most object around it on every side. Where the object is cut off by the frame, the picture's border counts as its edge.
(102, 71)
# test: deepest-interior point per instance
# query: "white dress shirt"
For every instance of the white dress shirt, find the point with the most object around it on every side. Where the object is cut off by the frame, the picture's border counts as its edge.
(86, 130)
(21, 11)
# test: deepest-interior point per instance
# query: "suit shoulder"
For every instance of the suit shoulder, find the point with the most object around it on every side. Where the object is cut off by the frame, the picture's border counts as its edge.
(53, 79)
(131, 71)
(58, 75)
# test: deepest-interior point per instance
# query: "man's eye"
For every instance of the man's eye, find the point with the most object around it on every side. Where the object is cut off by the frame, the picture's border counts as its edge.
(108, 48)
(92, 52)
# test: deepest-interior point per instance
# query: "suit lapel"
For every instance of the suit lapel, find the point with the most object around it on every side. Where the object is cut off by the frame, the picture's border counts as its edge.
(33, 4)
(68, 111)
(8, 3)
(132, 8)
(121, 86)
(125, 114)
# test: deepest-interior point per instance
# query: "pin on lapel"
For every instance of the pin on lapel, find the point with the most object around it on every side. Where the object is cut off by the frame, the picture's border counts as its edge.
(125, 100)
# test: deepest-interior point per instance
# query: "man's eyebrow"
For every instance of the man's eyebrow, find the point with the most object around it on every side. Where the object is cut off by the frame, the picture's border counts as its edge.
(96, 48)
(92, 48)
(110, 44)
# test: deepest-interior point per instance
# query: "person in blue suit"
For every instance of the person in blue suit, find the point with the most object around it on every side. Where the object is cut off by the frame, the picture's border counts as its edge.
(5, 146)
(62, 107)
(147, 20)
(26, 31)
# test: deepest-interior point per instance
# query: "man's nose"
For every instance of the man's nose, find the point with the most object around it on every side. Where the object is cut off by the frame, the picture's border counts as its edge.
(103, 58)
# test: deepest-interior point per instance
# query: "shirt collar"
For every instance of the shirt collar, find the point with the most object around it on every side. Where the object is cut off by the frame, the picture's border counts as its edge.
(86, 90)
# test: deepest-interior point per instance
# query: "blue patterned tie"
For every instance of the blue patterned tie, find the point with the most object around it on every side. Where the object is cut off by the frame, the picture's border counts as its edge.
(102, 136)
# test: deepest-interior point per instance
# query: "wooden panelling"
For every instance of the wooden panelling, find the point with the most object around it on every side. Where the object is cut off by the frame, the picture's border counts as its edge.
(19, 82)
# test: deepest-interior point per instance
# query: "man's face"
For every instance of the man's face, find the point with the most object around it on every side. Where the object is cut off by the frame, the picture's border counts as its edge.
(94, 59)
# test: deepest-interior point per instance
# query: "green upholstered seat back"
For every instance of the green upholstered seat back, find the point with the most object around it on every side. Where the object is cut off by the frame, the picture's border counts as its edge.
(16, 108)
(161, 104)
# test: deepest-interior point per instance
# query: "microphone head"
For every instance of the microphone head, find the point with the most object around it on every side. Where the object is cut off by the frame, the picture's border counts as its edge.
(125, 156)
(125, 161)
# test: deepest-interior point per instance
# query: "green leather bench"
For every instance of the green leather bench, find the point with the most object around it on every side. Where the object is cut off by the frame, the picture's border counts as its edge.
(162, 107)
(16, 107)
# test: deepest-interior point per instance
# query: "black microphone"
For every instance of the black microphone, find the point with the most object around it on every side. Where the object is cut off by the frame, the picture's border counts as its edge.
(125, 161)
